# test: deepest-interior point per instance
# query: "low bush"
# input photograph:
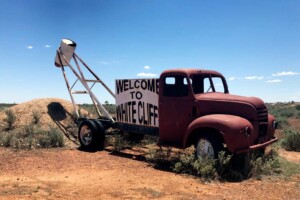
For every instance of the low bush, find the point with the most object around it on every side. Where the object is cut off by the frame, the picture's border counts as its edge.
(162, 158)
(36, 117)
(289, 168)
(291, 141)
(10, 119)
(282, 122)
(118, 142)
(111, 108)
(4, 106)
(226, 167)
(50, 138)
(287, 112)
(265, 165)
(32, 136)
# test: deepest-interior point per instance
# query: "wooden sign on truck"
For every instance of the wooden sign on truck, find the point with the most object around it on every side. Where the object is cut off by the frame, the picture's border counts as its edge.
(137, 101)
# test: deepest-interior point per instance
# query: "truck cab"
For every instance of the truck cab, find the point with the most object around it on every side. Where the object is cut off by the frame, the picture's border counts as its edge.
(195, 107)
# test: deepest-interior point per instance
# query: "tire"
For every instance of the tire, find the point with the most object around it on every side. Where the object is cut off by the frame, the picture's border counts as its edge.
(91, 135)
(100, 134)
(208, 146)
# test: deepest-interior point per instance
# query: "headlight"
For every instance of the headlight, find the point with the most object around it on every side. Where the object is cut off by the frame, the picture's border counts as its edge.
(275, 125)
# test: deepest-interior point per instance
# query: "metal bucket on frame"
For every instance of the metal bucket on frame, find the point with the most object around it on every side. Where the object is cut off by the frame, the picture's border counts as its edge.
(66, 48)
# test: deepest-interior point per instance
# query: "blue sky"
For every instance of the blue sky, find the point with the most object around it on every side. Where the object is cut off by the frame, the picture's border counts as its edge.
(255, 44)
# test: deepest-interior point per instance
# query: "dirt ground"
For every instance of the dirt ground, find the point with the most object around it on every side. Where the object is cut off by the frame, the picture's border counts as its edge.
(73, 174)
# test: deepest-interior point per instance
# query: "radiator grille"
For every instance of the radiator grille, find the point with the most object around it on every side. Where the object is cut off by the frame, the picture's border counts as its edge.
(262, 118)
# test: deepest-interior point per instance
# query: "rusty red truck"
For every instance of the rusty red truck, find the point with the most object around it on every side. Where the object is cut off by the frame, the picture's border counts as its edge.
(182, 107)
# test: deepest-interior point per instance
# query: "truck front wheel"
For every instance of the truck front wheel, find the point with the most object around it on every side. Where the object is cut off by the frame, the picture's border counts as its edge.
(208, 146)
(91, 135)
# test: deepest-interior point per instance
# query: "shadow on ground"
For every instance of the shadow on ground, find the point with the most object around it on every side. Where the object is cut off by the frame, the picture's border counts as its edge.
(59, 114)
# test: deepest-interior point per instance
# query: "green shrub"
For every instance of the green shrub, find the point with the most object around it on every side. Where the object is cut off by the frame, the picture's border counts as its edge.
(162, 158)
(184, 164)
(282, 122)
(287, 112)
(5, 139)
(50, 138)
(32, 137)
(226, 167)
(18, 138)
(10, 119)
(289, 168)
(223, 163)
(291, 141)
(205, 168)
(4, 106)
(265, 165)
(36, 117)
(111, 108)
(282, 112)
(298, 115)
(118, 142)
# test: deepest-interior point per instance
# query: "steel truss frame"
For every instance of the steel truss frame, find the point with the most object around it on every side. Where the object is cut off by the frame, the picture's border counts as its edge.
(101, 111)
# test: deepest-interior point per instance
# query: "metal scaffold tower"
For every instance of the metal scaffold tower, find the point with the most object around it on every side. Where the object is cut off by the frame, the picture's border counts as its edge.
(64, 54)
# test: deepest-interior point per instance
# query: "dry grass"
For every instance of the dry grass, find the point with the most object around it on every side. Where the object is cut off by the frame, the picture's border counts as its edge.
(46, 113)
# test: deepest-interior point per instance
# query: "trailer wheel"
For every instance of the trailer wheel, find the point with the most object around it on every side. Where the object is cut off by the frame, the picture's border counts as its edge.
(208, 146)
(100, 134)
(91, 135)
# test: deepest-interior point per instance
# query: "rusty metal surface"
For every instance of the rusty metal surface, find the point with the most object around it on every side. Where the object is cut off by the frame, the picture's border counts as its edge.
(190, 72)
(229, 114)
(258, 146)
(214, 103)
(231, 127)
(217, 96)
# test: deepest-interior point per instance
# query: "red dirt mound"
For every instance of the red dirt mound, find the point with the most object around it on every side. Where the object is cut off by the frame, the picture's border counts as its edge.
(51, 112)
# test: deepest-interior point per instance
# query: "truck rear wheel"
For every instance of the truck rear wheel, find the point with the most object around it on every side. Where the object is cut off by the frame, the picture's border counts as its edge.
(208, 146)
(91, 135)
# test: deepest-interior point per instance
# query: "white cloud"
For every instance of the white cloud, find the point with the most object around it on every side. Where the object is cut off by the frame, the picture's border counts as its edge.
(231, 78)
(104, 62)
(274, 81)
(254, 77)
(146, 67)
(47, 46)
(29, 47)
(284, 73)
(142, 74)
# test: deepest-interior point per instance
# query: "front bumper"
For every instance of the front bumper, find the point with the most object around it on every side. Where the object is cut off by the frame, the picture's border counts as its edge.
(258, 146)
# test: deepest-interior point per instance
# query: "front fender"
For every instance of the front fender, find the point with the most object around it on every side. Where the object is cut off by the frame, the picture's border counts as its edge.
(232, 128)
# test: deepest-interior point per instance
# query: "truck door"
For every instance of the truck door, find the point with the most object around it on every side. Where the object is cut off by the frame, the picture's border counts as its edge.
(175, 108)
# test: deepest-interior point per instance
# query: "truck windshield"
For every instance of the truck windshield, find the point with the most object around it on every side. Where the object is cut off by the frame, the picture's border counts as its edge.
(205, 83)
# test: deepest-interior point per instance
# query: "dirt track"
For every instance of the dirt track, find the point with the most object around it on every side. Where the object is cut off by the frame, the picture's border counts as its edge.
(72, 174)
